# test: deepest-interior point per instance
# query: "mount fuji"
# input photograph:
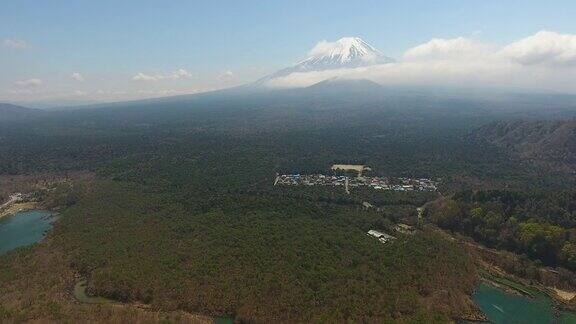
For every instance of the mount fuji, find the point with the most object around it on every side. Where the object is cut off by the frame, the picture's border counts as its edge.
(347, 52)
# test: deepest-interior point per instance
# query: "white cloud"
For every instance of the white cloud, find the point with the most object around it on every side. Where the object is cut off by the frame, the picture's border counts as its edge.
(176, 75)
(181, 74)
(227, 76)
(529, 63)
(451, 49)
(14, 43)
(160, 92)
(304, 79)
(107, 92)
(77, 77)
(30, 83)
(545, 47)
(145, 77)
(323, 48)
(545, 61)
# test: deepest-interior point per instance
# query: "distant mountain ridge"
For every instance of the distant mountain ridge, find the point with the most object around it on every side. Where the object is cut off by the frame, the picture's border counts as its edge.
(347, 84)
(10, 112)
(551, 143)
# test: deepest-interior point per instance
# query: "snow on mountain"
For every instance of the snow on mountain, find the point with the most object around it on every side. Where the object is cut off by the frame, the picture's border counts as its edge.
(347, 52)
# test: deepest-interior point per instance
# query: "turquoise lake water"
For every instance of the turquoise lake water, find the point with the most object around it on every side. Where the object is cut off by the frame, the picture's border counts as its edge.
(501, 307)
(23, 228)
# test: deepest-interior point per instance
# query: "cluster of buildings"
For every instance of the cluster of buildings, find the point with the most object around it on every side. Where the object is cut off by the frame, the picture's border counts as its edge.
(382, 237)
(385, 238)
(378, 183)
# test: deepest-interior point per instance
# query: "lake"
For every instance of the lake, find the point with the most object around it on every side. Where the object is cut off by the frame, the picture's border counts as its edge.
(23, 228)
(502, 307)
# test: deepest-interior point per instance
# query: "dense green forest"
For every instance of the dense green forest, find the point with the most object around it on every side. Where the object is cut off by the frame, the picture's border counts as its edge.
(191, 221)
(257, 257)
(540, 224)
(182, 214)
(183, 154)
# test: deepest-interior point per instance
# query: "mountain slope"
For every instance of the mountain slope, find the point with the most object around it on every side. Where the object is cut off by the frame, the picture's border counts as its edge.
(548, 143)
(347, 85)
(10, 112)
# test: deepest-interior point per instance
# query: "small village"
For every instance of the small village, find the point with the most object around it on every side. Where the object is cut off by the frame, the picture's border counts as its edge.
(385, 238)
(377, 183)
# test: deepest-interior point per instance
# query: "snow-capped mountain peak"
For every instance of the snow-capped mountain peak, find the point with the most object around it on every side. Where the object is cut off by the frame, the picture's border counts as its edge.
(347, 52)
(344, 50)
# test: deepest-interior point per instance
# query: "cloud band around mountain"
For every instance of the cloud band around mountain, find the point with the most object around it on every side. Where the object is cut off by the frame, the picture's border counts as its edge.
(545, 60)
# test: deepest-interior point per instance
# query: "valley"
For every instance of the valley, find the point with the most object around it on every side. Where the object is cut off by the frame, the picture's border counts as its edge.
(197, 209)
(336, 200)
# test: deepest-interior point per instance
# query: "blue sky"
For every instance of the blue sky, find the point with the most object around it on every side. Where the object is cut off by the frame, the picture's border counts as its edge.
(222, 43)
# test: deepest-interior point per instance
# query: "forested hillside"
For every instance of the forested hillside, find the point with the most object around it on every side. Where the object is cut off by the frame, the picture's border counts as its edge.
(183, 216)
(9, 112)
(540, 224)
(550, 143)
(259, 258)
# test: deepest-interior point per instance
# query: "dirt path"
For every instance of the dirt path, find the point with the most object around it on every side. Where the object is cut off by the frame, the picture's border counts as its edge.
(565, 295)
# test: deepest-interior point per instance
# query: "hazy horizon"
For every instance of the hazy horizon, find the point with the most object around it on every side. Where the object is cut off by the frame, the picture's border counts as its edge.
(139, 50)
(326, 161)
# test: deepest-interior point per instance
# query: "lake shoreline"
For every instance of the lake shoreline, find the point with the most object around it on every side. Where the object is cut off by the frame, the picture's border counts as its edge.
(25, 228)
(15, 208)
(513, 286)
(510, 284)
(495, 276)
